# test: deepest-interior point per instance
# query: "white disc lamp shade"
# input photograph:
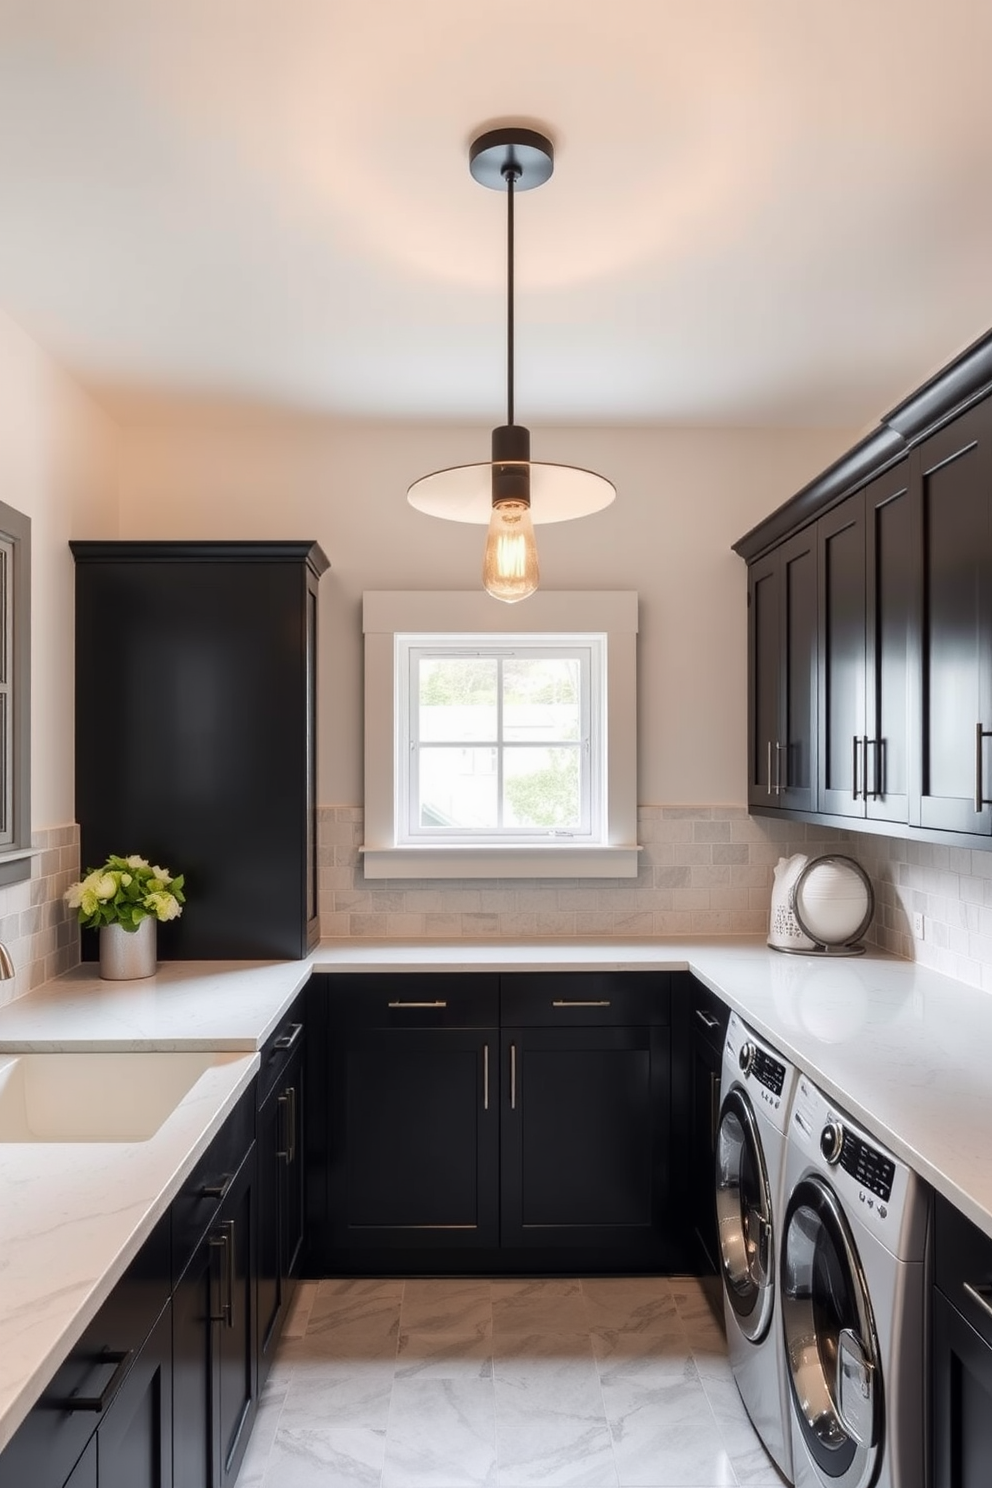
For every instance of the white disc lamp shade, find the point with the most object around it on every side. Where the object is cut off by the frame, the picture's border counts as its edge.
(511, 493)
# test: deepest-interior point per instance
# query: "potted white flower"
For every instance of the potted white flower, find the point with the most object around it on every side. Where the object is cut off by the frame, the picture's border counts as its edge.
(125, 899)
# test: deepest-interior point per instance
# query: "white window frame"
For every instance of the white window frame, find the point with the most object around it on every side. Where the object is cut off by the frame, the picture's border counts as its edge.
(605, 619)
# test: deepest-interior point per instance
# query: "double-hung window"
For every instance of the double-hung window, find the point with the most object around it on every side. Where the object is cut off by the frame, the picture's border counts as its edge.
(495, 748)
(500, 740)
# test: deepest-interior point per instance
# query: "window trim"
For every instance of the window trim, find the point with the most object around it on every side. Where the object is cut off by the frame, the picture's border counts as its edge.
(16, 852)
(612, 613)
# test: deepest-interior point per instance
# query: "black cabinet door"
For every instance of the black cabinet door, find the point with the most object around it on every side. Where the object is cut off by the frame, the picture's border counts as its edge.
(962, 1400)
(83, 1475)
(842, 628)
(892, 587)
(413, 1138)
(280, 1204)
(952, 478)
(134, 1439)
(214, 1344)
(214, 673)
(782, 641)
(584, 1153)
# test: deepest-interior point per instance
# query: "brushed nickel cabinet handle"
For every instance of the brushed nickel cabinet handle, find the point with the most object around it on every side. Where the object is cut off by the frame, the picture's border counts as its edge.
(564, 1002)
(292, 1123)
(980, 797)
(217, 1190)
(225, 1241)
(485, 1077)
(770, 791)
(513, 1077)
(778, 767)
(854, 768)
(708, 1020)
(438, 1004)
(285, 1140)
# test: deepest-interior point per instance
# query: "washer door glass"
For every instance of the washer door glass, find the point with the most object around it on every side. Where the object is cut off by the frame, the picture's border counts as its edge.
(744, 1217)
(830, 1339)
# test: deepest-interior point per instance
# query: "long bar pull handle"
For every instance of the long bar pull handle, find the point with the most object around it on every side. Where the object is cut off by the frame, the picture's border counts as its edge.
(770, 791)
(217, 1190)
(864, 766)
(485, 1077)
(438, 1004)
(513, 1077)
(878, 784)
(980, 1295)
(223, 1241)
(292, 1124)
(779, 749)
(854, 767)
(708, 1020)
(980, 797)
(564, 1002)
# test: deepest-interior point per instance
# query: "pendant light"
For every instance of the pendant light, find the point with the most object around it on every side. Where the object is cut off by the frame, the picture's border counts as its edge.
(511, 492)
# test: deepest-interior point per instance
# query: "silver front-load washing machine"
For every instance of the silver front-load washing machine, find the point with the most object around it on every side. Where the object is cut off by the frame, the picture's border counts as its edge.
(853, 1257)
(757, 1085)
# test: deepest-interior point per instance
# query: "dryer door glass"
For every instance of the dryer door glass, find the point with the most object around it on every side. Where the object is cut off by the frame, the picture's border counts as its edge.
(830, 1339)
(744, 1217)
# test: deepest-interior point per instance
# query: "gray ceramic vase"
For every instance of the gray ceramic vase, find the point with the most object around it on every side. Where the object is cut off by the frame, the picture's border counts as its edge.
(127, 955)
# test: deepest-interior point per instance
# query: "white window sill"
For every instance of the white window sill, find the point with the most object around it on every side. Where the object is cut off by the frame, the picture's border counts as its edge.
(556, 860)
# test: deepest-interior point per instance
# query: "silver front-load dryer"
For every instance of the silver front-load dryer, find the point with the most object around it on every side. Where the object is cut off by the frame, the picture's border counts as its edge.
(852, 1293)
(757, 1085)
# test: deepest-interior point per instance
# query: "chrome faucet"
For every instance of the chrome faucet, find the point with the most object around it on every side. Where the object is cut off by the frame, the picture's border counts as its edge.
(6, 964)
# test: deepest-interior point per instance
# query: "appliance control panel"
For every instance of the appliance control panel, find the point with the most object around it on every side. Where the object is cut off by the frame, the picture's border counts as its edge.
(760, 1069)
(872, 1169)
(767, 1071)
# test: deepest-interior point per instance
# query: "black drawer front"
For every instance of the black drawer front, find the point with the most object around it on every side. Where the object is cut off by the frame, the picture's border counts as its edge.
(197, 1202)
(279, 1049)
(571, 999)
(964, 1260)
(55, 1434)
(414, 1000)
(710, 1016)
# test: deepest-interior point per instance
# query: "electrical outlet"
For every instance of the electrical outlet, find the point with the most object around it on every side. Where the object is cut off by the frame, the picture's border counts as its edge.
(918, 926)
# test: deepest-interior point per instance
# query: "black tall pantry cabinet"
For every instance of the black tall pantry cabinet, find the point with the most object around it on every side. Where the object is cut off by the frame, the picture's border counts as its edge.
(195, 733)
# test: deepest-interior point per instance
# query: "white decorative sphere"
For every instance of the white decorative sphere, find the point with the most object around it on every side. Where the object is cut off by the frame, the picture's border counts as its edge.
(832, 900)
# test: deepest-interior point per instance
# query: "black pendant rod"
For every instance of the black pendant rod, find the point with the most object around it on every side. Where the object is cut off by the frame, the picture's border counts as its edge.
(512, 174)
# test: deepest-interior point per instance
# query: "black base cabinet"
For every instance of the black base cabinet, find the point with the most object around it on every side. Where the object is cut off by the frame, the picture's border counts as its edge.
(700, 1025)
(513, 1123)
(280, 1142)
(961, 1359)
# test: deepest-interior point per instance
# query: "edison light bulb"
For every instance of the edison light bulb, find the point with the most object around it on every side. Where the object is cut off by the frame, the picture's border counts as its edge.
(510, 569)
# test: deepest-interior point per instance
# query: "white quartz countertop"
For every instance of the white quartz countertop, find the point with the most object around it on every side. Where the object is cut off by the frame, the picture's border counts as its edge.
(902, 1049)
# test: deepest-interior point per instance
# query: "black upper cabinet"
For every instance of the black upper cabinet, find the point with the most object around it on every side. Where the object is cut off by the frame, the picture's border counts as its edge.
(782, 696)
(953, 474)
(868, 561)
(195, 732)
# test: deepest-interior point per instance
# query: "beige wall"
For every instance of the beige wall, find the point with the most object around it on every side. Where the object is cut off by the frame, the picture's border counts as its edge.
(58, 464)
(684, 496)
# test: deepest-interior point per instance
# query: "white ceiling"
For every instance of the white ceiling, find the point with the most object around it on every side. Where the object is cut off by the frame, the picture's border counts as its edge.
(763, 211)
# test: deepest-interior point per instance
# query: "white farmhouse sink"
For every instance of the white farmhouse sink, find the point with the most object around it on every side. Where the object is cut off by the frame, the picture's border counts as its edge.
(94, 1097)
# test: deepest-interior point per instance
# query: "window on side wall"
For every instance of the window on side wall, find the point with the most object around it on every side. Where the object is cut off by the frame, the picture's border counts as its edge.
(15, 700)
(500, 744)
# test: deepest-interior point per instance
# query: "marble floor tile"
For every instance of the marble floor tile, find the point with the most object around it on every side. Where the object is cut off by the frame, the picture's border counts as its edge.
(645, 1358)
(263, 1434)
(441, 1434)
(444, 1355)
(682, 1456)
(538, 1307)
(630, 1305)
(339, 1393)
(752, 1464)
(555, 1451)
(325, 1457)
(448, 1306)
(351, 1301)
